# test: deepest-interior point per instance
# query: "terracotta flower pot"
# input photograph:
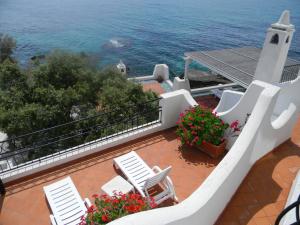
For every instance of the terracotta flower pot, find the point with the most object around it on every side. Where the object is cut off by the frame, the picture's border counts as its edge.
(212, 150)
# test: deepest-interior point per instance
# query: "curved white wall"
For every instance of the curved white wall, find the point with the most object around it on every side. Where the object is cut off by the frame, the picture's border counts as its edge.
(258, 137)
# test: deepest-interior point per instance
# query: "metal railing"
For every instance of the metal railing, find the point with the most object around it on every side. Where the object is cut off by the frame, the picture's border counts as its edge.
(294, 206)
(290, 73)
(33, 147)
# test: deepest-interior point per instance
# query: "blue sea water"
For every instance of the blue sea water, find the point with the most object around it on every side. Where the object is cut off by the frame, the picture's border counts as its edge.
(141, 32)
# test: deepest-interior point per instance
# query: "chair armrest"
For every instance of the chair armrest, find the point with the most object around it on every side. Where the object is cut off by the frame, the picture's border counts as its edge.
(87, 203)
(156, 169)
(52, 219)
(168, 182)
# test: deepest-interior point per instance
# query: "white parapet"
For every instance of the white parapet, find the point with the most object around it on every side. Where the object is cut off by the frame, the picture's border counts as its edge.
(161, 72)
(173, 103)
(258, 137)
(228, 100)
(181, 84)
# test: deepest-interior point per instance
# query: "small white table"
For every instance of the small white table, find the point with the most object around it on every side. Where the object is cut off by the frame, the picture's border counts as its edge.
(117, 184)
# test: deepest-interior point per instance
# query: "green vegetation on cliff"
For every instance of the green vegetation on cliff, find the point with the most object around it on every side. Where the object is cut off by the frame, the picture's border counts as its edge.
(62, 88)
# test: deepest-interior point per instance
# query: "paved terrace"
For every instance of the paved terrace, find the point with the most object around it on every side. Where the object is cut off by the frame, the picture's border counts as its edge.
(263, 194)
(25, 201)
(153, 86)
(258, 201)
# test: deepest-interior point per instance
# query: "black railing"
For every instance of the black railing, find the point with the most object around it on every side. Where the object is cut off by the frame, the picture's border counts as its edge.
(294, 206)
(290, 73)
(2, 188)
(31, 148)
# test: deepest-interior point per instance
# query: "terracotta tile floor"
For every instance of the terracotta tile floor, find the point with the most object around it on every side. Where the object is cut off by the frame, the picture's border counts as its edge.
(208, 101)
(25, 202)
(258, 201)
(154, 86)
(263, 194)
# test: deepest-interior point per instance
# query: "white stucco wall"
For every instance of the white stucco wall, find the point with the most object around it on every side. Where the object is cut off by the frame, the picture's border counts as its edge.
(228, 100)
(289, 93)
(273, 55)
(258, 137)
(181, 84)
(161, 70)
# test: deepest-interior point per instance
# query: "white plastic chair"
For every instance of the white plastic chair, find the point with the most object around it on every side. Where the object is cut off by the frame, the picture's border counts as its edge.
(142, 177)
(65, 202)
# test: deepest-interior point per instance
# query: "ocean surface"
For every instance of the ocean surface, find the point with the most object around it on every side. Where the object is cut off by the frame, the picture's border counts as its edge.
(141, 32)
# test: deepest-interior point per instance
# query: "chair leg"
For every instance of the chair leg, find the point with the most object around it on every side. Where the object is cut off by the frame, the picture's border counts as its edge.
(52, 219)
(87, 202)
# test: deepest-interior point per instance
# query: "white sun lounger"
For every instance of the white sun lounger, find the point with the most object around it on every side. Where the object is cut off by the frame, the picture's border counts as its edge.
(142, 177)
(65, 202)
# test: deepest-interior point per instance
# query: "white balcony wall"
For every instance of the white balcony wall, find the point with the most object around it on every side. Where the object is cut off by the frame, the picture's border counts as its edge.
(258, 137)
(288, 94)
(173, 103)
(228, 100)
(161, 70)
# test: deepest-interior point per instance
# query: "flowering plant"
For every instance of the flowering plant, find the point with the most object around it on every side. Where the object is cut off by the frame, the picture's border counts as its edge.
(107, 209)
(234, 128)
(197, 126)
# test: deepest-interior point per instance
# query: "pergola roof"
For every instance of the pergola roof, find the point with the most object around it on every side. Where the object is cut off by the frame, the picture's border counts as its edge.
(239, 64)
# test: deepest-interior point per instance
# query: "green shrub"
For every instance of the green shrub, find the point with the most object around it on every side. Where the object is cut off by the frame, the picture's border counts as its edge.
(7, 47)
(198, 125)
(46, 95)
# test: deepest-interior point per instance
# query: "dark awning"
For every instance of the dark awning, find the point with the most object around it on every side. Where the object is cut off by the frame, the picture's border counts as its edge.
(239, 64)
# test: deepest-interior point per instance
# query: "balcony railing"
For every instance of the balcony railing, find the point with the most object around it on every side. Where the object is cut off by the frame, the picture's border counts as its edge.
(290, 73)
(34, 147)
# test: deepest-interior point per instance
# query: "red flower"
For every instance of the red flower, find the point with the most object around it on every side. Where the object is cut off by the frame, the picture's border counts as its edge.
(91, 209)
(104, 196)
(141, 202)
(95, 195)
(104, 218)
(110, 208)
(123, 197)
(130, 209)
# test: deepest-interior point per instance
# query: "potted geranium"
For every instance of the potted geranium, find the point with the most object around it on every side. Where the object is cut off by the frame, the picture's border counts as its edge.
(107, 209)
(201, 128)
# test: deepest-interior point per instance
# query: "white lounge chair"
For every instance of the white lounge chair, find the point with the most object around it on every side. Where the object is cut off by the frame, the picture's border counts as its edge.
(142, 177)
(65, 202)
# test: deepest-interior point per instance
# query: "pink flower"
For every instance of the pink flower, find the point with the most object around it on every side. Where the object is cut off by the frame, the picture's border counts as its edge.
(234, 124)
(236, 129)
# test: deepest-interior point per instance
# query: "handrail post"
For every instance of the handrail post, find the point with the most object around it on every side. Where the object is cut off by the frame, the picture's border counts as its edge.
(2, 188)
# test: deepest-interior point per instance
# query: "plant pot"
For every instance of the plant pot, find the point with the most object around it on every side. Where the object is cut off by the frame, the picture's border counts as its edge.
(212, 150)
